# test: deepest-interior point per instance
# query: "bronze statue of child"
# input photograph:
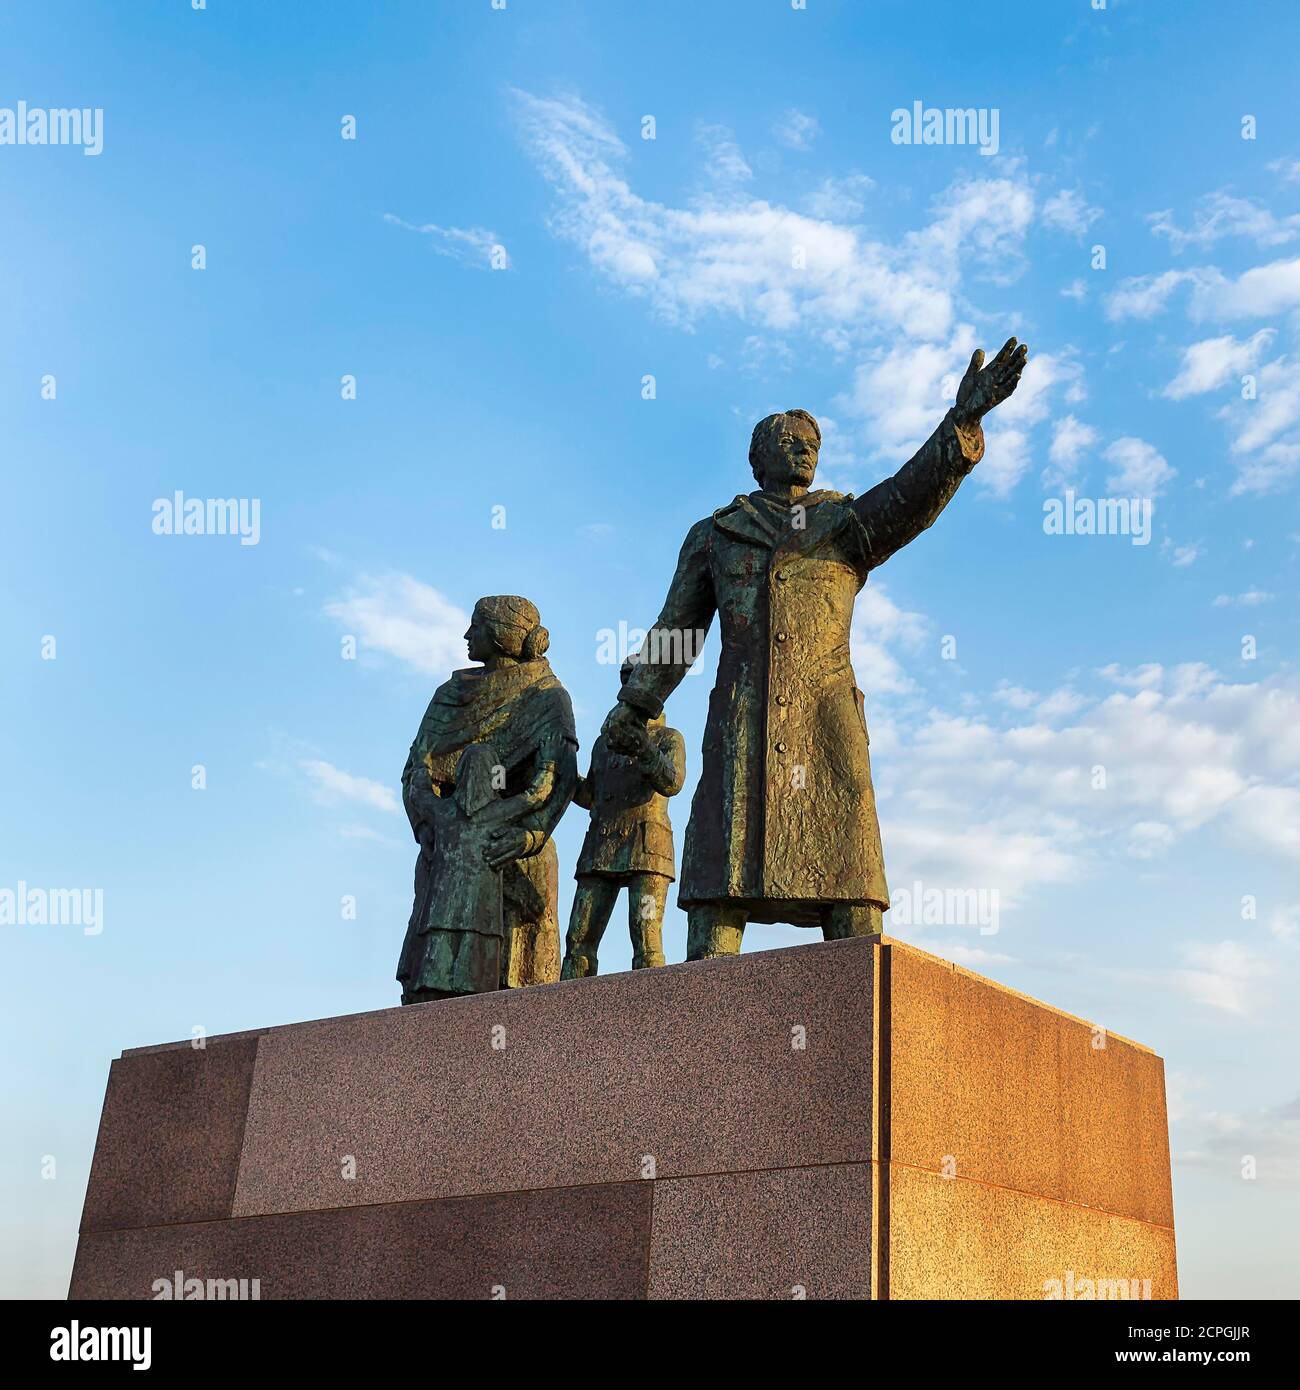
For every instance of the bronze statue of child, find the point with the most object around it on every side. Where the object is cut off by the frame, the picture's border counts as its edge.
(629, 844)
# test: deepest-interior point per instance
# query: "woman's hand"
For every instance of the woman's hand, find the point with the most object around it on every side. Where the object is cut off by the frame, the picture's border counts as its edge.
(506, 845)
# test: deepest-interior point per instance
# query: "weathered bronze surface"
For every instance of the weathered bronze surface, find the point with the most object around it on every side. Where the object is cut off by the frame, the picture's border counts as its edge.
(629, 844)
(783, 823)
(486, 879)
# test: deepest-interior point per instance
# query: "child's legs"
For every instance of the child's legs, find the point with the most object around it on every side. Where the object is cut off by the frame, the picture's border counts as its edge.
(646, 896)
(592, 903)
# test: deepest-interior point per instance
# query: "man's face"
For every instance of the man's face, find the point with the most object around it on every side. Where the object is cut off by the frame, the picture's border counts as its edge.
(478, 638)
(790, 459)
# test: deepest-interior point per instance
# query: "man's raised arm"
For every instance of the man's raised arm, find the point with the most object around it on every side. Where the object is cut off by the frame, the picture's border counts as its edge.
(899, 509)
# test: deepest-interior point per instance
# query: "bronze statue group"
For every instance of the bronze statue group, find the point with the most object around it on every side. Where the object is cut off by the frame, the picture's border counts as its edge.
(783, 823)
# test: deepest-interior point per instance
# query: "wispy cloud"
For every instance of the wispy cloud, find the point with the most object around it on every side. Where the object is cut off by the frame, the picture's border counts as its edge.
(1145, 296)
(724, 163)
(761, 262)
(797, 130)
(332, 786)
(1252, 598)
(1264, 432)
(1225, 975)
(1224, 1142)
(474, 246)
(890, 304)
(1221, 215)
(406, 619)
(839, 199)
(1070, 212)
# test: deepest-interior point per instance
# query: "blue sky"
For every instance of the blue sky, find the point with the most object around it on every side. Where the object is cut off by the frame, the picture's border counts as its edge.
(770, 247)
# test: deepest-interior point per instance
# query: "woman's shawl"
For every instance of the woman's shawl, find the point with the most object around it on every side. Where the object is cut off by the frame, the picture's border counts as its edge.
(514, 707)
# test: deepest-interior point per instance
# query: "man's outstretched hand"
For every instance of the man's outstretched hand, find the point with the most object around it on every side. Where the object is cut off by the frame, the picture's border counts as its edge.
(626, 732)
(980, 390)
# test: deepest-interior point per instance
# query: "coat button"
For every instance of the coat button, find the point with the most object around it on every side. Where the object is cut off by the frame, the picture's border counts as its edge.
(780, 747)
(783, 699)
(781, 636)
(783, 574)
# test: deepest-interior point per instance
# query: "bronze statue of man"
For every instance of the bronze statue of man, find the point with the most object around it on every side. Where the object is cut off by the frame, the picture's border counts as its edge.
(783, 823)
(629, 844)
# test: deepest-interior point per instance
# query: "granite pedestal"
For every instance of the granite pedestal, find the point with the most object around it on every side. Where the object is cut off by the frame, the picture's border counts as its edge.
(847, 1119)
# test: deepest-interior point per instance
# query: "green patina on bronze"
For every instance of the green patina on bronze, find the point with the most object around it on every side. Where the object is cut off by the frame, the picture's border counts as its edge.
(783, 824)
(490, 773)
(629, 844)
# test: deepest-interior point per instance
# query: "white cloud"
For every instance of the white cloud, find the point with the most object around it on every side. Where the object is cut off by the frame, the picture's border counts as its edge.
(1008, 454)
(1006, 460)
(1214, 361)
(1145, 677)
(984, 218)
(901, 392)
(785, 272)
(1264, 434)
(1070, 438)
(1221, 215)
(1006, 794)
(1252, 598)
(473, 245)
(797, 130)
(760, 262)
(332, 785)
(879, 624)
(997, 856)
(1284, 923)
(1145, 296)
(1184, 555)
(1150, 838)
(1181, 751)
(400, 616)
(1070, 212)
(1016, 696)
(1271, 470)
(839, 199)
(1059, 704)
(1140, 469)
(1271, 1137)
(1270, 817)
(726, 164)
(1260, 292)
(1225, 975)
(1043, 372)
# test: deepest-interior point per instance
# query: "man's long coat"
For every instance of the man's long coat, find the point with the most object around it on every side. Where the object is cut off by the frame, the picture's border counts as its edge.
(784, 816)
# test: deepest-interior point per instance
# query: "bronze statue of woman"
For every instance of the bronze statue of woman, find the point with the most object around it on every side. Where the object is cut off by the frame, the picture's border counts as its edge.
(462, 939)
